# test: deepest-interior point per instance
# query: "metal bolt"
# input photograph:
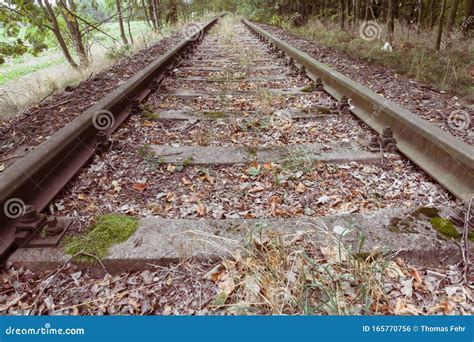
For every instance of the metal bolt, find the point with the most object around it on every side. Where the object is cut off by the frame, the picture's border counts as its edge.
(318, 84)
(52, 227)
(302, 71)
(29, 215)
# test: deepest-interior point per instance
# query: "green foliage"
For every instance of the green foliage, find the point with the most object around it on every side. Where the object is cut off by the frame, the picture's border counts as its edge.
(116, 54)
(24, 29)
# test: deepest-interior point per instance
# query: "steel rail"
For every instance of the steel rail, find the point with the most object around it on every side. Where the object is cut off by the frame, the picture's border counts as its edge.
(445, 158)
(39, 176)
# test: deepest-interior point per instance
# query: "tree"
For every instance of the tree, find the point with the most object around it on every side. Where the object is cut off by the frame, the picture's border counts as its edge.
(68, 9)
(16, 15)
(468, 22)
(440, 25)
(452, 14)
(57, 32)
(120, 21)
(390, 18)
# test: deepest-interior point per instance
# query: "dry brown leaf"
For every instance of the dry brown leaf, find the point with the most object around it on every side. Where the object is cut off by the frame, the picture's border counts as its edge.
(201, 209)
(301, 187)
(185, 181)
(256, 189)
(139, 187)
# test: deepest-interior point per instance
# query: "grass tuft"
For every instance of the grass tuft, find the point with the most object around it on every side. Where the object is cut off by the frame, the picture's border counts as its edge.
(279, 273)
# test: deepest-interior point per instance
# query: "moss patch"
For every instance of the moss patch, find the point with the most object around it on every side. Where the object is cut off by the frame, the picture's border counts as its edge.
(307, 89)
(212, 114)
(108, 230)
(251, 150)
(470, 236)
(429, 212)
(324, 110)
(444, 227)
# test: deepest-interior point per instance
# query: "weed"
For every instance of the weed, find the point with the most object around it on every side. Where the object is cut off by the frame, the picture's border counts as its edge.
(114, 54)
(280, 273)
(148, 111)
(149, 156)
(297, 159)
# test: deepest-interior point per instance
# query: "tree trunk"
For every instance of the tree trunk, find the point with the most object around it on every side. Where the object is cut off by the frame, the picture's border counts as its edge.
(390, 23)
(156, 18)
(129, 18)
(468, 22)
(420, 11)
(452, 14)
(433, 13)
(120, 20)
(73, 27)
(343, 13)
(145, 12)
(440, 25)
(57, 33)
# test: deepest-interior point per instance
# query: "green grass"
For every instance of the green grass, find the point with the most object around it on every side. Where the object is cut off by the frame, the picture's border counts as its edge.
(17, 67)
(15, 71)
(446, 70)
(108, 230)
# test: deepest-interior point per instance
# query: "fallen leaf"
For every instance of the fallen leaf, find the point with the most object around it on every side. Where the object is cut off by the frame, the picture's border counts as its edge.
(256, 189)
(139, 187)
(301, 187)
(201, 209)
(82, 197)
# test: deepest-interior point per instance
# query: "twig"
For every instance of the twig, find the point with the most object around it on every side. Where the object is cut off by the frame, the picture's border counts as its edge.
(14, 157)
(40, 294)
(465, 242)
(96, 258)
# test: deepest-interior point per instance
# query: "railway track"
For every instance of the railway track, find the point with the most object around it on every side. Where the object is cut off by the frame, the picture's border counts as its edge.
(229, 128)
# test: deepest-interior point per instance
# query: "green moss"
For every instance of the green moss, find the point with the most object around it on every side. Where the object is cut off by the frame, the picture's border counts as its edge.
(324, 110)
(212, 114)
(251, 150)
(307, 89)
(151, 116)
(444, 227)
(144, 151)
(108, 230)
(429, 212)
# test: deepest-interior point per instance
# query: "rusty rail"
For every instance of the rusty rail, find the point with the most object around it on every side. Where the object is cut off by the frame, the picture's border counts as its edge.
(30, 184)
(447, 159)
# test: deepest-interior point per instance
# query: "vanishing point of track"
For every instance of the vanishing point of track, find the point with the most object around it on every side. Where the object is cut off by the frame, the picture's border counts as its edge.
(248, 106)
